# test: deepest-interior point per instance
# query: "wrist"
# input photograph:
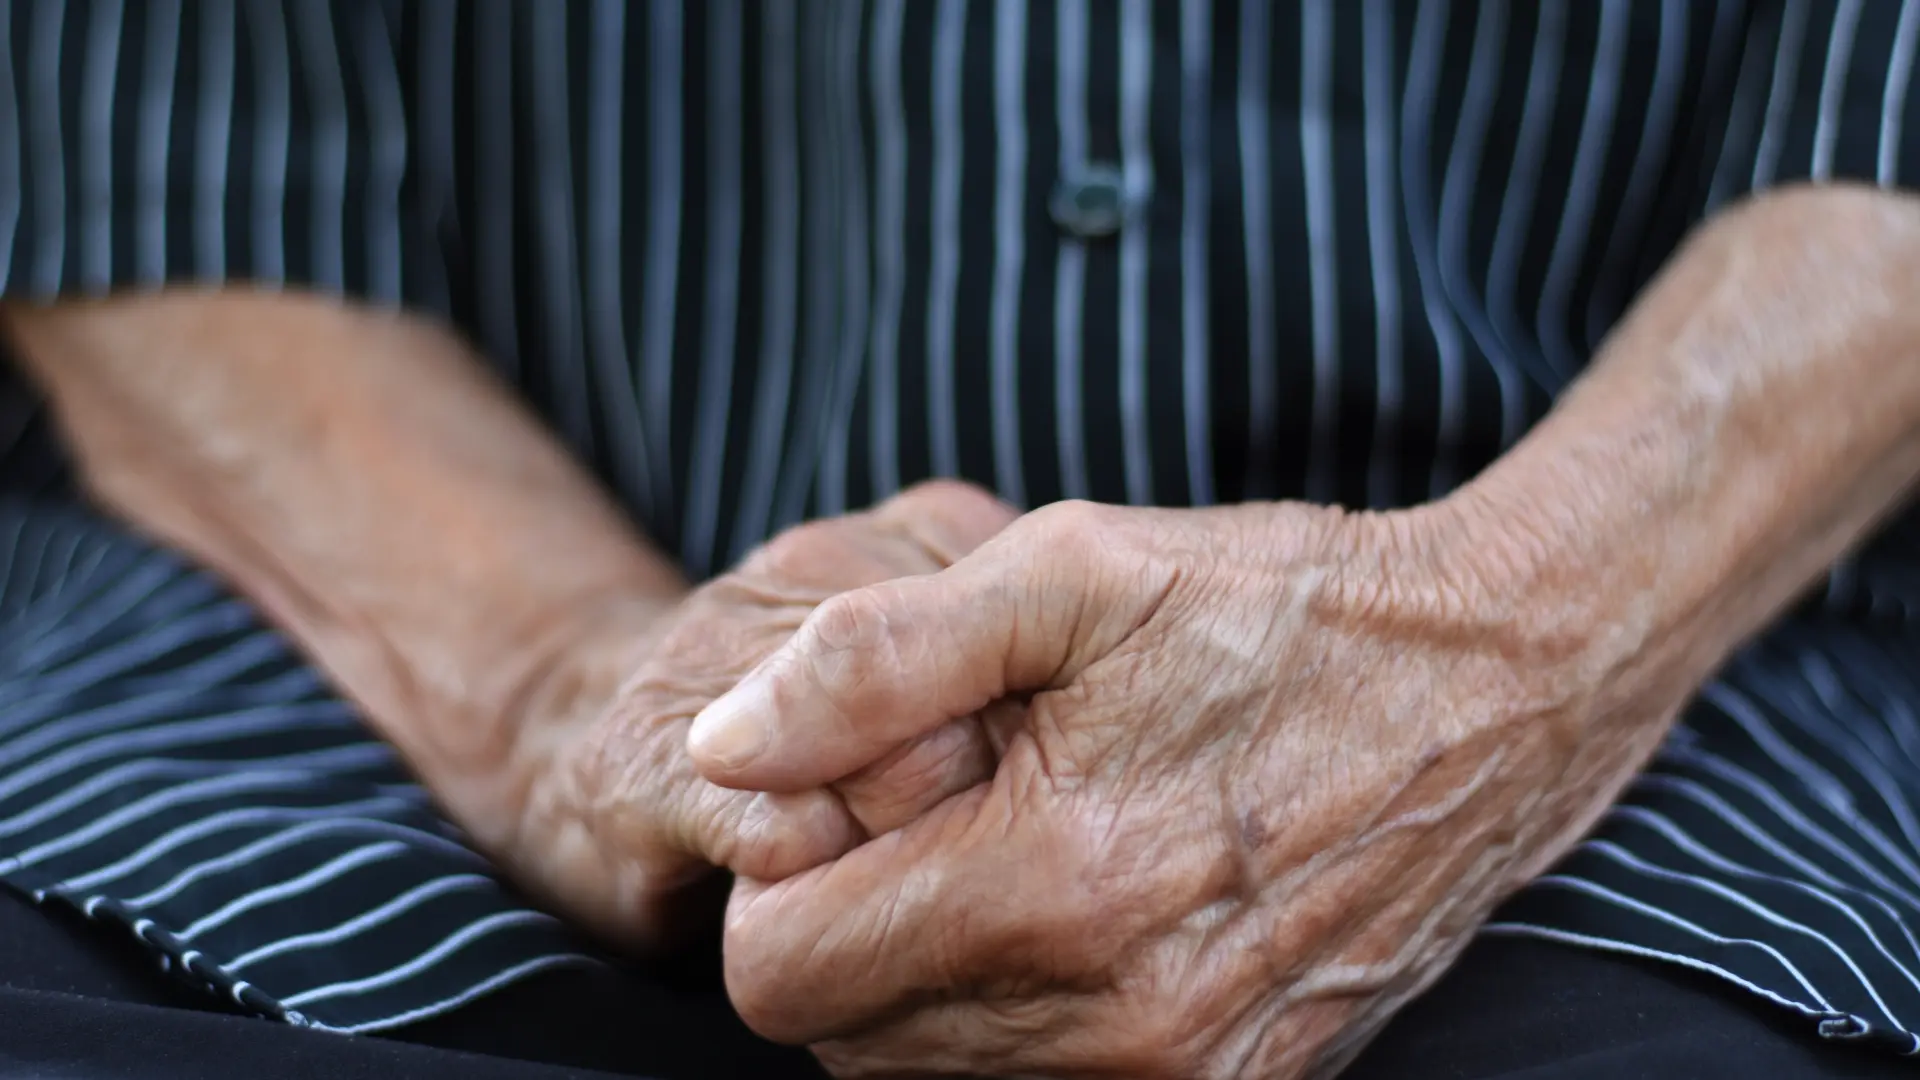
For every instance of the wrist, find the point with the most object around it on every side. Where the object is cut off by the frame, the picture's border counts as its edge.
(481, 756)
(1753, 416)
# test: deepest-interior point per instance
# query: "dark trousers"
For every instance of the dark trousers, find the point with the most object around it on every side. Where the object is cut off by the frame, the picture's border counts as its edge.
(77, 1005)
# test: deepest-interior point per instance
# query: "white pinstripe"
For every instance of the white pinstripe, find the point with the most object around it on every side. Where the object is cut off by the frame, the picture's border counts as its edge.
(1070, 269)
(1009, 243)
(1780, 94)
(233, 820)
(332, 870)
(1136, 163)
(214, 134)
(473, 993)
(1619, 855)
(1569, 254)
(159, 70)
(100, 73)
(12, 172)
(327, 139)
(1253, 121)
(823, 244)
(943, 278)
(779, 278)
(1893, 99)
(1415, 162)
(1518, 203)
(1459, 188)
(434, 136)
(1323, 272)
(272, 139)
(1651, 152)
(661, 282)
(721, 292)
(1692, 847)
(850, 159)
(604, 243)
(1737, 707)
(45, 143)
(890, 208)
(1770, 797)
(1640, 907)
(195, 732)
(554, 214)
(447, 946)
(332, 760)
(368, 920)
(1545, 933)
(1833, 85)
(494, 183)
(246, 855)
(1383, 255)
(1196, 193)
(386, 155)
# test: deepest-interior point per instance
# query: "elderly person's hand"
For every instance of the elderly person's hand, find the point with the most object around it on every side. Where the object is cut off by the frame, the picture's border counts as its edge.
(600, 807)
(359, 476)
(1276, 763)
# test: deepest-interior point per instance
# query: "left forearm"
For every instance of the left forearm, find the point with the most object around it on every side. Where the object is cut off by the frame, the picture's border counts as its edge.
(1753, 417)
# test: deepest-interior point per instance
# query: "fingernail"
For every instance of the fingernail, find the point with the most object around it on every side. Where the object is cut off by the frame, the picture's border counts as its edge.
(733, 730)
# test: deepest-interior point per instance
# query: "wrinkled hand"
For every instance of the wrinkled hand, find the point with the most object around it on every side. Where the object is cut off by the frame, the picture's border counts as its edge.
(603, 814)
(1277, 764)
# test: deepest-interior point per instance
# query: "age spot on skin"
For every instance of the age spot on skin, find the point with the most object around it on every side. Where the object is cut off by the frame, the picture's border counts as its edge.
(1253, 831)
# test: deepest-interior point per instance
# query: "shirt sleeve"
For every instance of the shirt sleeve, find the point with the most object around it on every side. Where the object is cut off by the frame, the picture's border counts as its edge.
(156, 142)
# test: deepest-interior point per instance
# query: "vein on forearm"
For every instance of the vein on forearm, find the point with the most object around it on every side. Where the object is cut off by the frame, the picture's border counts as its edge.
(1755, 415)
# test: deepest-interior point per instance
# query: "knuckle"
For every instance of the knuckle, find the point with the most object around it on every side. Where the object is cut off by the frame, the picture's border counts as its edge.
(942, 488)
(617, 756)
(948, 519)
(918, 776)
(770, 837)
(851, 622)
(803, 551)
(1073, 527)
(956, 497)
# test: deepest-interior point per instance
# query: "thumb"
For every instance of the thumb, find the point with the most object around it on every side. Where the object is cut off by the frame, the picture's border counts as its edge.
(874, 668)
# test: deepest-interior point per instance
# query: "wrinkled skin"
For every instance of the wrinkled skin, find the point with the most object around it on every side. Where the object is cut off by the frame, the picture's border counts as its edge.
(1276, 765)
(604, 814)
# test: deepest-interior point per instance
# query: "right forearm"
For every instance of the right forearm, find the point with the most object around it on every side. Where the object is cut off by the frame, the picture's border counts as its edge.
(360, 477)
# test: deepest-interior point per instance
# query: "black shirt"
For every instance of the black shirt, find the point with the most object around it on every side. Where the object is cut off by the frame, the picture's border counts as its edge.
(761, 262)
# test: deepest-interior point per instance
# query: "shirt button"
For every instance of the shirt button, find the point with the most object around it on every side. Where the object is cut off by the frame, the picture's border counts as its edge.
(1091, 202)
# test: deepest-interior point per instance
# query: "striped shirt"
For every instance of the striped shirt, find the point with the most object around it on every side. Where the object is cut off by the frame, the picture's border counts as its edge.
(761, 262)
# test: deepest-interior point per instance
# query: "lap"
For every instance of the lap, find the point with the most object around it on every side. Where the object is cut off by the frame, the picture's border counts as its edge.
(155, 696)
(79, 1002)
(1525, 1009)
(77, 999)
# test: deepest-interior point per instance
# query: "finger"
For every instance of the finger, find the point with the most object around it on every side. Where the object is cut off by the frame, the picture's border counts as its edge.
(917, 777)
(928, 912)
(878, 799)
(763, 835)
(948, 518)
(873, 668)
(1028, 1037)
(627, 779)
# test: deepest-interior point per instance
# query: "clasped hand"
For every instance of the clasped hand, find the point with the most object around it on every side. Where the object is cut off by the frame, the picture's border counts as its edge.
(1257, 774)
(1089, 791)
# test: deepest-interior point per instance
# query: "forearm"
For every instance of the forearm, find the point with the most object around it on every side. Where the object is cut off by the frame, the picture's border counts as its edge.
(1755, 415)
(362, 479)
